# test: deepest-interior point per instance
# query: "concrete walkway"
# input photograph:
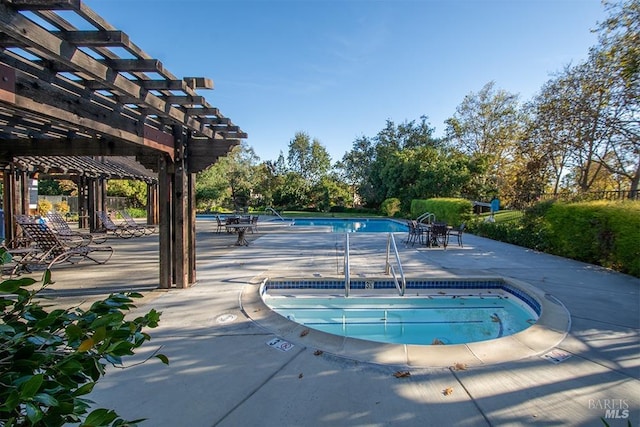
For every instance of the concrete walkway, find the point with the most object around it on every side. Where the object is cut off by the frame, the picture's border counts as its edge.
(222, 371)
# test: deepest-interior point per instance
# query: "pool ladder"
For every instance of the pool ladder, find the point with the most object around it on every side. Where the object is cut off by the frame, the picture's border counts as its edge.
(398, 276)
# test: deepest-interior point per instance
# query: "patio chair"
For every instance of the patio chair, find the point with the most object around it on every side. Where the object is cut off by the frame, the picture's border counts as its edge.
(254, 224)
(49, 250)
(439, 235)
(128, 220)
(123, 231)
(457, 232)
(220, 225)
(60, 226)
(415, 233)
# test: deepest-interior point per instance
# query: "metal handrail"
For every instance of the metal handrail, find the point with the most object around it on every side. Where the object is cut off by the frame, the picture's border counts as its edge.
(347, 273)
(390, 268)
(431, 217)
(274, 212)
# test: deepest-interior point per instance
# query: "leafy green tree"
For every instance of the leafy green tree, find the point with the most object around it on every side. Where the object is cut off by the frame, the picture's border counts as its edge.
(230, 182)
(308, 158)
(135, 191)
(50, 360)
(488, 125)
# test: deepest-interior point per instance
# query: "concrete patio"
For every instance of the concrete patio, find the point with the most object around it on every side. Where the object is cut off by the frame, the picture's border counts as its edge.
(222, 371)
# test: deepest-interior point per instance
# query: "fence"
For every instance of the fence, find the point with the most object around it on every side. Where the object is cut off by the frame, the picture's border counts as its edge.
(113, 203)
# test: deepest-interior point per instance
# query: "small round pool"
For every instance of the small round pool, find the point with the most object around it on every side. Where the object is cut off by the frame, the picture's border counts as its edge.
(440, 317)
(437, 323)
(456, 312)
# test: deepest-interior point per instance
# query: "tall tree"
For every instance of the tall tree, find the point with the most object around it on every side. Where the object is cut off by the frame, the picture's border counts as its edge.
(308, 158)
(487, 125)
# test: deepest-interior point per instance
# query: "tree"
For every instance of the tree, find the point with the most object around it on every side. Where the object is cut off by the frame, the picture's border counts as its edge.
(135, 191)
(488, 125)
(230, 182)
(618, 53)
(309, 159)
(355, 167)
(49, 361)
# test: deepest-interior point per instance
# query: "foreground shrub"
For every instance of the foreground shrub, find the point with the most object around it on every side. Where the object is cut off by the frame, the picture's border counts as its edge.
(50, 360)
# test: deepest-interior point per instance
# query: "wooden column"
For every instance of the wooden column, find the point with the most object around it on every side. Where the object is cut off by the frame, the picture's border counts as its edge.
(23, 188)
(180, 217)
(152, 204)
(8, 204)
(164, 202)
(191, 208)
(83, 205)
(92, 199)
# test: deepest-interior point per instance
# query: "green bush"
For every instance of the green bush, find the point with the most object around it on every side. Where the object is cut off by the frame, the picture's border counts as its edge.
(49, 361)
(390, 207)
(603, 233)
(453, 211)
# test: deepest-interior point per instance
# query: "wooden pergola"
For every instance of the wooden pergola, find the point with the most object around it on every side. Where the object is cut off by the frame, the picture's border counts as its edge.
(71, 85)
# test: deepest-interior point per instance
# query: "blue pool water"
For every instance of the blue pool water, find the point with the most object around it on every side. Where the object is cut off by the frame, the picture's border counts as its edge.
(362, 225)
(445, 319)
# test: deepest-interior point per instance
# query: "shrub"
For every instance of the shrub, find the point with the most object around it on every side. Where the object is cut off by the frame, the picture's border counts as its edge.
(390, 207)
(50, 360)
(453, 211)
(603, 233)
(44, 207)
(61, 207)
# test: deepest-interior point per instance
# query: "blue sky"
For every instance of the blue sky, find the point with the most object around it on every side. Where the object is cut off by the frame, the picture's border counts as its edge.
(338, 70)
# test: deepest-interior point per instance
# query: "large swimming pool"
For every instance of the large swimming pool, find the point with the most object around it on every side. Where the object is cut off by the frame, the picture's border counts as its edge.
(354, 225)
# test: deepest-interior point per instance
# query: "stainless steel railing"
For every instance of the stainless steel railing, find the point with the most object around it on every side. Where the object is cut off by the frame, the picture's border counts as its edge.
(401, 284)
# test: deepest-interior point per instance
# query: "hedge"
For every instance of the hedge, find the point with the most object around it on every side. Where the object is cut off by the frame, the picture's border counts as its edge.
(603, 233)
(453, 211)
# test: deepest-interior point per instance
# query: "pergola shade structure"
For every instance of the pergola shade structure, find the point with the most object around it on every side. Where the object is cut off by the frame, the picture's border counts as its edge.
(71, 85)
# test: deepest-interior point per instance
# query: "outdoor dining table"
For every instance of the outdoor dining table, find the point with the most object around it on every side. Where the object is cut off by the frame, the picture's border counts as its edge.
(241, 229)
(431, 239)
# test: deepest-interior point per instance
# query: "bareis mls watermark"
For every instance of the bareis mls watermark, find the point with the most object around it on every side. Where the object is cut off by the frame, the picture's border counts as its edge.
(611, 408)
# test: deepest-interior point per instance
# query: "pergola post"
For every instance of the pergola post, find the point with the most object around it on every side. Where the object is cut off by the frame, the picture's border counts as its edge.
(180, 217)
(8, 203)
(165, 242)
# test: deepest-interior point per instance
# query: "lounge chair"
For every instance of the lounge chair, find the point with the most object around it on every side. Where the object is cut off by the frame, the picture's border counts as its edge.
(123, 230)
(48, 250)
(59, 225)
(128, 220)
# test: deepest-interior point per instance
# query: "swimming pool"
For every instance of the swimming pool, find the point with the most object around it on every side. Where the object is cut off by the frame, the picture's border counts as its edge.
(354, 225)
(434, 312)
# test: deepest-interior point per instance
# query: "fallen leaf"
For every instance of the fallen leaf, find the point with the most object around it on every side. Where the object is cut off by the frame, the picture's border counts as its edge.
(436, 341)
(300, 376)
(303, 333)
(317, 352)
(459, 366)
(447, 391)
(402, 374)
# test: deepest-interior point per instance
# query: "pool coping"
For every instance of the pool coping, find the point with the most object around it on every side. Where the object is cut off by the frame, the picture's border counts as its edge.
(552, 327)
